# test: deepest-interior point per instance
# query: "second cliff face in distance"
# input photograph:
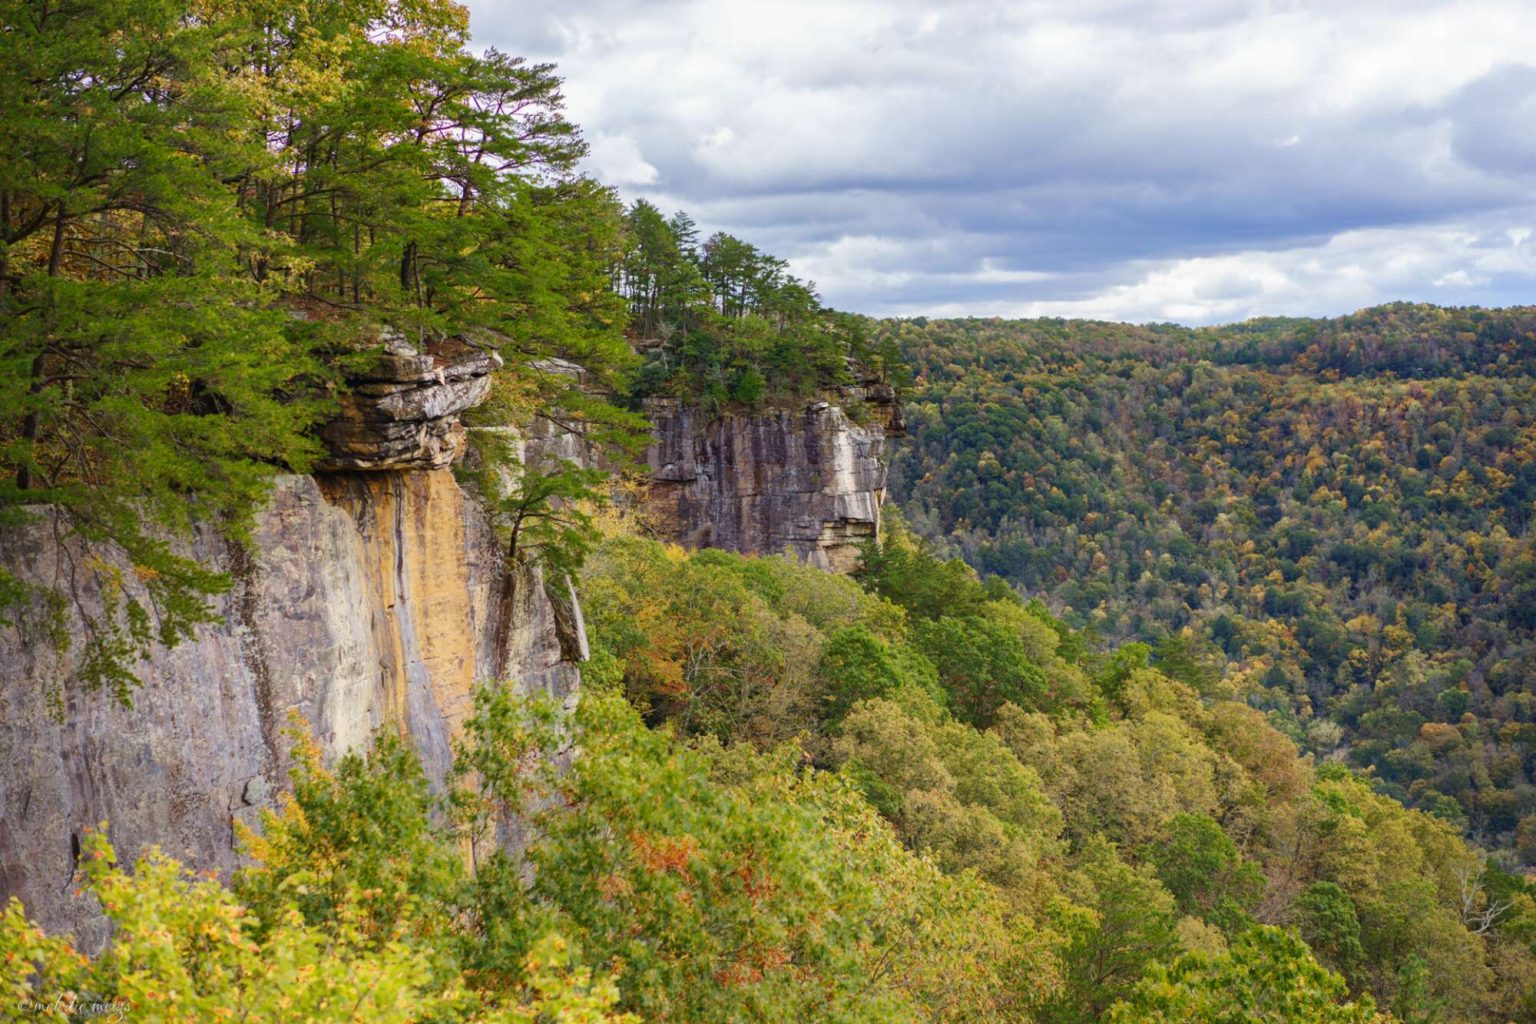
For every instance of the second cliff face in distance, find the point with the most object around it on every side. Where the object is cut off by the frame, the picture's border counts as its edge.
(809, 481)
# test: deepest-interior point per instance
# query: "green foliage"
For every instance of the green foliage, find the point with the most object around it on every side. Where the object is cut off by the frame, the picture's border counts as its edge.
(856, 664)
(730, 886)
(988, 648)
(904, 570)
(1326, 918)
(542, 510)
(951, 792)
(184, 950)
(1327, 517)
(1414, 1002)
(552, 248)
(1119, 666)
(698, 645)
(1125, 926)
(359, 837)
(891, 862)
(981, 665)
(672, 881)
(1202, 868)
(1265, 976)
(207, 210)
(1164, 818)
(145, 388)
(722, 323)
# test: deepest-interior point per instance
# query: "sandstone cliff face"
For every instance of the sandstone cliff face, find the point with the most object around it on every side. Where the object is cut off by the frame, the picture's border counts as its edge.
(809, 481)
(369, 600)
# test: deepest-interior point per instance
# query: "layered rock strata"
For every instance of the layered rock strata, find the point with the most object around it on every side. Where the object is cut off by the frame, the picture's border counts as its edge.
(403, 412)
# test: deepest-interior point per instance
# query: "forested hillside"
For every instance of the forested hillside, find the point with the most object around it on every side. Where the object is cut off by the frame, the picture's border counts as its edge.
(1111, 815)
(1328, 518)
(910, 797)
(1248, 591)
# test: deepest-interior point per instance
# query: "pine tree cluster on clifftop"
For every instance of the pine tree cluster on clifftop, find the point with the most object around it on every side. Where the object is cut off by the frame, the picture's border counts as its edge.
(721, 322)
(206, 211)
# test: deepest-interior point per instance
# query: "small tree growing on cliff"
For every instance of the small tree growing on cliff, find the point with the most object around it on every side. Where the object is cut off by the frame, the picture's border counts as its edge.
(545, 513)
(544, 503)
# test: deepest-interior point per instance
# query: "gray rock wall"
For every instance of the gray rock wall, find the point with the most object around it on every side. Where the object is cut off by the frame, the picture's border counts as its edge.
(809, 481)
(369, 600)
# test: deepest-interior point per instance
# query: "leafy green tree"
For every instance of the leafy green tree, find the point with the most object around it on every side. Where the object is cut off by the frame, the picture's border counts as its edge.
(143, 383)
(698, 647)
(1119, 667)
(952, 792)
(1207, 875)
(660, 274)
(856, 664)
(1180, 657)
(1267, 975)
(549, 258)
(1127, 926)
(355, 842)
(723, 323)
(1326, 918)
(903, 569)
(981, 666)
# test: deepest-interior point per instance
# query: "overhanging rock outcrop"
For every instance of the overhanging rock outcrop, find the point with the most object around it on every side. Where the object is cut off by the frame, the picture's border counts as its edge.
(403, 411)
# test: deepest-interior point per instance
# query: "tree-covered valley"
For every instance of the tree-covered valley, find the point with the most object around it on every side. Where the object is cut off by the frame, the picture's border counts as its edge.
(1220, 717)
(1330, 518)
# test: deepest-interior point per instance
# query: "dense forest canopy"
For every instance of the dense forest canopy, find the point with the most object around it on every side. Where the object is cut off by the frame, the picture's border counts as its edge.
(1331, 517)
(1116, 814)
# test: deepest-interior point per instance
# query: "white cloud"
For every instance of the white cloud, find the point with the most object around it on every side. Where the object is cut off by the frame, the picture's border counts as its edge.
(617, 160)
(1195, 154)
(1451, 264)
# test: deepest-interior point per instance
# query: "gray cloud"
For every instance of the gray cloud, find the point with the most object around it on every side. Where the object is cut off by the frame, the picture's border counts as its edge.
(1191, 160)
(1490, 121)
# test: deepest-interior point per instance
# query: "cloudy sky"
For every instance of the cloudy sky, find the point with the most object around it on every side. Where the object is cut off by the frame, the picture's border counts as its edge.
(1191, 160)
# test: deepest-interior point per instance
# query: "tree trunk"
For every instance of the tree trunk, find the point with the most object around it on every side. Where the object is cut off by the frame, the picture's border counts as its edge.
(32, 425)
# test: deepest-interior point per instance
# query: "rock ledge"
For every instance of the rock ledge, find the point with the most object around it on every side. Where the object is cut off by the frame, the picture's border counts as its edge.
(403, 412)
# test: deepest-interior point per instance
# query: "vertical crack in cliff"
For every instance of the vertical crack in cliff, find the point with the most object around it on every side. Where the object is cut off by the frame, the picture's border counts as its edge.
(398, 610)
(247, 576)
(506, 600)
